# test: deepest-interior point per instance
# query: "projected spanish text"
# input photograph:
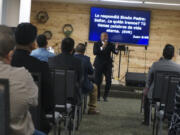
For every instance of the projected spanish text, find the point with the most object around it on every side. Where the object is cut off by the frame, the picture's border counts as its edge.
(124, 26)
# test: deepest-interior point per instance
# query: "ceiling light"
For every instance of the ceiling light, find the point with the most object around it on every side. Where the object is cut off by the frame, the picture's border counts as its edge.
(159, 3)
(123, 1)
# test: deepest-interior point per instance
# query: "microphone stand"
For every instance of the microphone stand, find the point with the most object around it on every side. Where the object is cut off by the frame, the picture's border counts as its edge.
(145, 58)
(119, 65)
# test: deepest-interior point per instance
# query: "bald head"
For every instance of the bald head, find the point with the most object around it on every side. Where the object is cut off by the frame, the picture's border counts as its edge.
(7, 41)
(104, 36)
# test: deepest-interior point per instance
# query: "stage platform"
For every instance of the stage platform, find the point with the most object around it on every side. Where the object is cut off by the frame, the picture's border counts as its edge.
(121, 91)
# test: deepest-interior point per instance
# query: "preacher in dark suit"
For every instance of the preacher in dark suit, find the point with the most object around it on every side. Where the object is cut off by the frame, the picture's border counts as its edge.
(103, 62)
(25, 36)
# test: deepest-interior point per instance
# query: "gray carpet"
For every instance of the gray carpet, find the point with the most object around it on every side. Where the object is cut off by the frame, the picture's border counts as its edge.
(118, 117)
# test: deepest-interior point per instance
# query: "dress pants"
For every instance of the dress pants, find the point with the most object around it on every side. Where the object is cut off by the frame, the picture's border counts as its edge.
(105, 70)
(146, 110)
(93, 99)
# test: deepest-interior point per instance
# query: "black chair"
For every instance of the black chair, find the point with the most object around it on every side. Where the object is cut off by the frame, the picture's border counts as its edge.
(66, 98)
(178, 132)
(163, 96)
(170, 97)
(4, 107)
(160, 87)
(36, 111)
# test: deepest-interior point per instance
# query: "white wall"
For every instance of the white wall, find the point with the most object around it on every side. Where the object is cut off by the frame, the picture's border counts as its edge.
(12, 12)
(3, 6)
(25, 11)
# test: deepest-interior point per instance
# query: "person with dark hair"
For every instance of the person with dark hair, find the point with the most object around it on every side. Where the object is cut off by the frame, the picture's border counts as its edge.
(168, 52)
(164, 64)
(66, 58)
(42, 53)
(23, 90)
(25, 36)
(103, 63)
(67, 45)
(88, 87)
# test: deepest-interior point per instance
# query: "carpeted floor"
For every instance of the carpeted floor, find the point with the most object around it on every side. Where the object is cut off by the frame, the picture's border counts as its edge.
(118, 117)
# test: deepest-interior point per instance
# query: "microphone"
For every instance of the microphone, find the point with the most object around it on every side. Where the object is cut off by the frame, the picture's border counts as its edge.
(105, 41)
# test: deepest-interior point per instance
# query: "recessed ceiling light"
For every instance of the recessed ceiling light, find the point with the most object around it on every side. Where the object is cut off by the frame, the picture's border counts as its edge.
(123, 1)
(159, 3)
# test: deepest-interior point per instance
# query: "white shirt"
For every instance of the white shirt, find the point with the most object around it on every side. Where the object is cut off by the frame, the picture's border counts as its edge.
(101, 48)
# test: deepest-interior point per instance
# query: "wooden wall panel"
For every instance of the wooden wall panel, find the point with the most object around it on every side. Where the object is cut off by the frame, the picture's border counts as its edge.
(165, 28)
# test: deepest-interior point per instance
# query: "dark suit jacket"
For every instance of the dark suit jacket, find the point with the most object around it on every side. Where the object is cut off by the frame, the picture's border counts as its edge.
(103, 57)
(67, 60)
(87, 86)
(70, 61)
(22, 58)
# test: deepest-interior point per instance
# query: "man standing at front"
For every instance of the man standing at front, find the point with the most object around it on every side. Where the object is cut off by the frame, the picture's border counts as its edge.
(103, 63)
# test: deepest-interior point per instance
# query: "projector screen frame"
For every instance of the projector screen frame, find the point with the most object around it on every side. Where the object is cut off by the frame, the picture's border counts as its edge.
(123, 8)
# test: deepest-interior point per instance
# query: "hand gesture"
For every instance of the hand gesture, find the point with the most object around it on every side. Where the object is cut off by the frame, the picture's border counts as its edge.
(116, 45)
(105, 44)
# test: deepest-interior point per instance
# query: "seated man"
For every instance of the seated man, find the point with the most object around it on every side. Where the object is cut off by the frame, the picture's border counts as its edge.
(164, 64)
(23, 90)
(42, 53)
(88, 87)
(66, 59)
(25, 36)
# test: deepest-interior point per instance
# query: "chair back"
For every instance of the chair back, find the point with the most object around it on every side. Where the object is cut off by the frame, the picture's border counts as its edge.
(36, 111)
(4, 107)
(161, 82)
(63, 82)
(171, 96)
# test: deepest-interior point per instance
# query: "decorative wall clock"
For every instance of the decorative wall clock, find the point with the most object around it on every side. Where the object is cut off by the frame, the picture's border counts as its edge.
(48, 34)
(67, 30)
(42, 17)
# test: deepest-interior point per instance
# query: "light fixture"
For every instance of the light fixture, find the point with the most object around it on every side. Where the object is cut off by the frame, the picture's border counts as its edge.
(159, 3)
(124, 1)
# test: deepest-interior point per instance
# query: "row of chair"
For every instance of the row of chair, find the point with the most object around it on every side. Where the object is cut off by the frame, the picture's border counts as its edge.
(69, 103)
(165, 86)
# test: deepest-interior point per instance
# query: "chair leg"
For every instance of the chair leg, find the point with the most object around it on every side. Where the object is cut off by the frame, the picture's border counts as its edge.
(161, 115)
(55, 128)
(150, 113)
(85, 104)
(141, 109)
(67, 124)
(157, 127)
(79, 117)
(154, 121)
(75, 119)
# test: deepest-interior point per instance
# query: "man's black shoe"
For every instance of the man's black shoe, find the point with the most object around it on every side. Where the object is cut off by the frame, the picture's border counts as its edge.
(105, 99)
(145, 123)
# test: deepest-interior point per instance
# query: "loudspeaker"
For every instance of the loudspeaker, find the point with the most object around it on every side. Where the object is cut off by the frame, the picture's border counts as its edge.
(135, 79)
